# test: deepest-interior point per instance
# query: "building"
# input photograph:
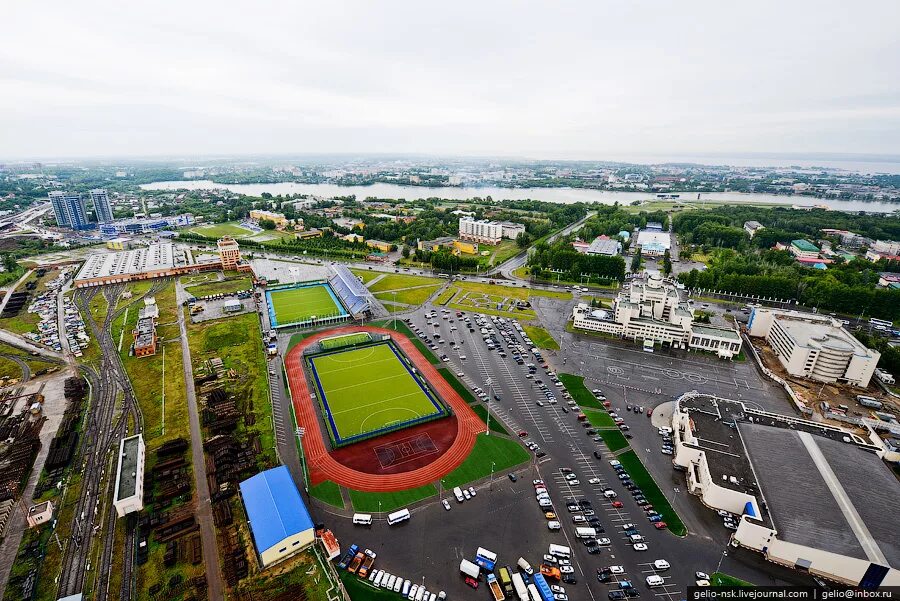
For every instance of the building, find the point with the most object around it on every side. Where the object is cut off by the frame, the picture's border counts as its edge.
(129, 495)
(874, 256)
(118, 244)
(824, 512)
(804, 249)
(604, 246)
(310, 233)
(480, 230)
(278, 218)
(39, 514)
(232, 305)
(349, 223)
(650, 309)
(144, 337)
(102, 208)
(511, 229)
(450, 243)
(352, 238)
(145, 225)
(814, 346)
(886, 247)
(751, 227)
(145, 263)
(379, 245)
(654, 243)
(70, 210)
(229, 252)
(279, 521)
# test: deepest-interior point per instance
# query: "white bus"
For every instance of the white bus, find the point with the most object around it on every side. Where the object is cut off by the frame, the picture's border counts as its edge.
(398, 516)
(585, 532)
(362, 519)
(881, 322)
(533, 592)
(560, 551)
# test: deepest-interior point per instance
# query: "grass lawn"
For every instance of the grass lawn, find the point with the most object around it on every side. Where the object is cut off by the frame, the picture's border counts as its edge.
(445, 296)
(228, 286)
(301, 576)
(367, 389)
(389, 501)
(482, 412)
(458, 386)
(504, 251)
(614, 439)
(510, 291)
(580, 393)
(329, 492)
(502, 452)
(399, 326)
(409, 296)
(541, 337)
(599, 419)
(645, 482)
(217, 230)
(397, 281)
(366, 275)
(293, 305)
(722, 579)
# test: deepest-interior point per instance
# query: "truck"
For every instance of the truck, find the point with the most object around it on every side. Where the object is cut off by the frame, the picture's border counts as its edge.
(519, 585)
(506, 581)
(486, 559)
(469, 569)
(525, 566)
(367, 564)
(549, 572)
(348, 556)
(357, 561)
(496, 591)
(870, 402)
(543, 588)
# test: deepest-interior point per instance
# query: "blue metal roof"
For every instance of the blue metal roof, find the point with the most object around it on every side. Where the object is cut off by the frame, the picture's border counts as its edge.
(274, 507)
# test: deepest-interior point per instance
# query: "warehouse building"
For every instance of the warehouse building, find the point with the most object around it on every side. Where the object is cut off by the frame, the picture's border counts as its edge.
(278, 519)
(814, 346)
(129, 495)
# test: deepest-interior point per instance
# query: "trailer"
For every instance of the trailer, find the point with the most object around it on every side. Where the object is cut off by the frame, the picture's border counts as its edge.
(496, 590)
(543, 588)
(469, 569)
(357, 561)
(519, 585)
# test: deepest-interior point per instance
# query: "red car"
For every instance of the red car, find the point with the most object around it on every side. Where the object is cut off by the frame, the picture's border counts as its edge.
(471, 582)
(660, 525)
(607, 404)
(649, 412)
(618, 504)
(523, 434)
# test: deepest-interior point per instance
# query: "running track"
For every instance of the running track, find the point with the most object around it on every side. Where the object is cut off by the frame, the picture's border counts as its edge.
(322, 466)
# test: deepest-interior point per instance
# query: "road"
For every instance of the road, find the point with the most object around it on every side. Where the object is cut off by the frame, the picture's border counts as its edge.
(215, 586)
(507, 267)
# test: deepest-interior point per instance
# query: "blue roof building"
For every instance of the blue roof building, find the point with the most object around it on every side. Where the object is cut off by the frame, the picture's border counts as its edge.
(278, 518)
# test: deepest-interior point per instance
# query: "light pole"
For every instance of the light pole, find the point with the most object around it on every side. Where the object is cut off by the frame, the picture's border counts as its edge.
(300, 433)
(491, 484)
(487, 405)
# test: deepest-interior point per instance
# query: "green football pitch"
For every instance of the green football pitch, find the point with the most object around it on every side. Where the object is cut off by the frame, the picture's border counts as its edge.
(364, 390)
(295, 305)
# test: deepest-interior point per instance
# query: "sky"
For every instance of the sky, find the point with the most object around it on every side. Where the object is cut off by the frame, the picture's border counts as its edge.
(596, 79)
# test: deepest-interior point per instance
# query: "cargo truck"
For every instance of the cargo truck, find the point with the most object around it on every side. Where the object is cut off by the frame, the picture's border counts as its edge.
(348, 556)
(506, 581)
(367, 564)
(543, 588)
(486, 559)
(357, 561)
(496, 590)
(469, 569)
(550, 572)
(519, 585)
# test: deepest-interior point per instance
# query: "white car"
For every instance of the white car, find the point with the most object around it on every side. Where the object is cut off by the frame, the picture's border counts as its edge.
(702, 583)
(565, 562)
(571, 476)
(616, 570)
(472, 491)
(594, 481)
(661, 564)
(554, 525)
(610, 493)
(574, 482)
(566, 570)
(701, 575)
(639, 547)
(603, 542)
(446, 504)
(466, 494)
(550, 559)
(557, 589)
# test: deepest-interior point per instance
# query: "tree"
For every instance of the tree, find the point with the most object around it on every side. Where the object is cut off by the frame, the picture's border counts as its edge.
(667, 263)
(523, 240)
(267, 224)
(405, 251)
(636, 261)
(9, 263)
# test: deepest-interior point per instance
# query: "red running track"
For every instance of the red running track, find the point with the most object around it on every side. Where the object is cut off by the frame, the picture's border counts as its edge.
(322, 466)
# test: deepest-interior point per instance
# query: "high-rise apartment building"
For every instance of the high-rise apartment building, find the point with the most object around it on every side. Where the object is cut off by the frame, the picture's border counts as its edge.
(69, 210)
(102, 208)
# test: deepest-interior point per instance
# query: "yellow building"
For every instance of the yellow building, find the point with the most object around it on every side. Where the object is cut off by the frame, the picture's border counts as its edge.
(311, 233)
(279, 218)
(118, 244)
(467, 248)
(379, 245)
(353, 238)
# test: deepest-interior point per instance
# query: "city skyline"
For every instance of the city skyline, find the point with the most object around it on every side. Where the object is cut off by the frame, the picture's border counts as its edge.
(583, 81)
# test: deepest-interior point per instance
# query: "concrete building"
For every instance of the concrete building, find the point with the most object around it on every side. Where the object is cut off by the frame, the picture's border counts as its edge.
(129, 496)
(751, 227)
(279, 521)
(349, 223)
(310, 233)
(827, 511)
(654, 243)
(650, 309)
(886, 247)
(70, 210)
(804, 249)
(145, 225)
(39, 514)
(232, 305)
(814, 346)
(379, 245)
(144, 337)
(229, 252)
(102, 207)
(450, 243)
(145, 263)
(480, 230)
(278, 218)
(511, 229)
(604, 246)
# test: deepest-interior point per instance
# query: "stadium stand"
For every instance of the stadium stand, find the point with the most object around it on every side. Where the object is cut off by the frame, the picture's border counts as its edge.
(353, 294)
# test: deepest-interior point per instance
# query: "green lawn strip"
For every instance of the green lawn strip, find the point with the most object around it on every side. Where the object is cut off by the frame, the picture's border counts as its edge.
(614, 439)
(446, 296)
(222, 229)
(502, 452)
(639, 474)
(409, 296)
(228, 286)
(397, 308)
(328, 492)
(10, 369)
(400, 281)
(721, 579)
(541, 337)
(297, 339)
(599, 419)
(399, 326)
(580, 393)
(505, 251)
(366, 275)
(518, 293)
(524, 314)
(369, 501)
(496, 426)
(458, 386)
(360, 590)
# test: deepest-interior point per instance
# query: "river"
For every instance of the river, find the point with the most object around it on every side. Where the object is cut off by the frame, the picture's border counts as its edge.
(561, 195)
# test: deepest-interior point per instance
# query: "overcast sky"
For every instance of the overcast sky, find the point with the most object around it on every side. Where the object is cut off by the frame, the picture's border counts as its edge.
(564, 79)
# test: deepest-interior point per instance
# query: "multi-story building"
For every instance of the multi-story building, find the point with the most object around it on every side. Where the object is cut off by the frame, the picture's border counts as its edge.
(804, 249)
(278, 218)
(511, 229)
(751, 227)
(229, 252)
(651, 309)
(70, 210)
(480, 230)
(102, 208)
(886, 247)
(145, 225)
(654, 242)
(814, 346)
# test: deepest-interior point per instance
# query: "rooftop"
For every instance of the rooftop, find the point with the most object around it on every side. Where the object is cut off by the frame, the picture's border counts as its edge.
(805, 245)
(715, 331)
(128, 463)
(820, 334)
(604, 246)
(274, 507)
(156, 257)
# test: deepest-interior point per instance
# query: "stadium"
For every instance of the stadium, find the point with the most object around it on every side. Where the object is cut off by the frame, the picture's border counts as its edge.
(330, 301)
(366, 387)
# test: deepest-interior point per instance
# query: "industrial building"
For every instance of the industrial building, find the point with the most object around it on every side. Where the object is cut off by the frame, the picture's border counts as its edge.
(651, 309)
(129, 495)
(814, 346)
(826, 512)
(604, 246)
(145, 225)
(279, 521)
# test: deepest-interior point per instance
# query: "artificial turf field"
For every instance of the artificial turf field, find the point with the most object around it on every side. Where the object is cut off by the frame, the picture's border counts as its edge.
(296, 305)
(368, 389)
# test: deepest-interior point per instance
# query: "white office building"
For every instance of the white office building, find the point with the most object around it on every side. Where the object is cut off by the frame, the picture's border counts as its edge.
(480, 230)
(129, 495)
(814, 346)
(511, 229)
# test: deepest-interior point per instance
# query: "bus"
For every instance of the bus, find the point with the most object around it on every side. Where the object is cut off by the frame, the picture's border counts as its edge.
(648, 346)
(560, 551)
(881, 322)
(486, 559)
(398, 516)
